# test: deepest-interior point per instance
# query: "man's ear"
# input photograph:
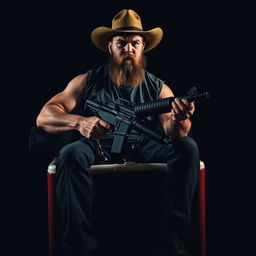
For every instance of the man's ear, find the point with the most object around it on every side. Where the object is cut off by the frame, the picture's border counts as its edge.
(144, 44)
(109, 47)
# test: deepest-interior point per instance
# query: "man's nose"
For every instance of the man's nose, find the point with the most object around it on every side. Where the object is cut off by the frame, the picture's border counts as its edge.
(128, 48)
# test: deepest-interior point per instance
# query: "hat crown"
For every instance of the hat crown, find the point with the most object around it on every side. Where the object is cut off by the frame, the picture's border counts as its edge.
(126, 18)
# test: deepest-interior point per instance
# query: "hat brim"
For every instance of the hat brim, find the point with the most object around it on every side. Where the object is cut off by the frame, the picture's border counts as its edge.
(101, 35)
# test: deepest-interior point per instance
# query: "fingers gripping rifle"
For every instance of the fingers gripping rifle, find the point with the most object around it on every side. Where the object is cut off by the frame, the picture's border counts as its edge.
(125, 116)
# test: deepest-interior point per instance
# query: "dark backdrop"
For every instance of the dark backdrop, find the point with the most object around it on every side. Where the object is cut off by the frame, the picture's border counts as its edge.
(48, 44)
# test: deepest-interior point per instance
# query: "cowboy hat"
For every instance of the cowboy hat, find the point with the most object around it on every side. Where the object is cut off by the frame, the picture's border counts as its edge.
(126, 21)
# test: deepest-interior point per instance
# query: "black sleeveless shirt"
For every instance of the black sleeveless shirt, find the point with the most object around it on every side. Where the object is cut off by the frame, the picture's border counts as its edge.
(101, 89)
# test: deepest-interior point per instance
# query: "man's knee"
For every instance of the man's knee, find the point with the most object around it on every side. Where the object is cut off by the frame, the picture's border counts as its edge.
(187, 147)
(76, 152)
(185, 158)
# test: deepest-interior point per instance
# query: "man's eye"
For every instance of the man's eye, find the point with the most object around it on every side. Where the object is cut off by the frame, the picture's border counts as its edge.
(121, 44)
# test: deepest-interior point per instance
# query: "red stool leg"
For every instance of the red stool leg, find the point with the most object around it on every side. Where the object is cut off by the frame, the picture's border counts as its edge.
(202, 202)
(50, 188)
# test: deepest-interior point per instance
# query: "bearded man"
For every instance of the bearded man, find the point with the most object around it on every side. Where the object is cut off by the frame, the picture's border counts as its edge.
(124, 76)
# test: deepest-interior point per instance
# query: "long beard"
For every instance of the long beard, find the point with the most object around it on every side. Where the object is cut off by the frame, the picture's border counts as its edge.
(126, 70)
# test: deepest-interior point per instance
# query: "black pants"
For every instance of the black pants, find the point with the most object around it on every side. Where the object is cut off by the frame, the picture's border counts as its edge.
(74, 192)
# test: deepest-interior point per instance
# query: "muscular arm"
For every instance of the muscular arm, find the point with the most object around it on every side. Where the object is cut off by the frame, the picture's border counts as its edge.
(176, 123)
(56, 117)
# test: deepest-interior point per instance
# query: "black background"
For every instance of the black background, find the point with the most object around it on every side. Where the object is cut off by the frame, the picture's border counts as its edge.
(204, 44)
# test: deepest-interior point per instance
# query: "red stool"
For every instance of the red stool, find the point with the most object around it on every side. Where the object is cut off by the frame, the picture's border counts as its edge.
(128, 167)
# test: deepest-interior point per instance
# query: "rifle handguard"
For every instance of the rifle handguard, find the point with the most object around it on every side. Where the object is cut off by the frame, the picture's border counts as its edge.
(163, 105)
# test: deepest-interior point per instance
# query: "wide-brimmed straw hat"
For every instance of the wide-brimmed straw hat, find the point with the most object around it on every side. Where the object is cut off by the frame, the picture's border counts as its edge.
(126, 21)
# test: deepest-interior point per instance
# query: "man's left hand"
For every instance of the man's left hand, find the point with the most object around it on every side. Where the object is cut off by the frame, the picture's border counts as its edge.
(182, 109)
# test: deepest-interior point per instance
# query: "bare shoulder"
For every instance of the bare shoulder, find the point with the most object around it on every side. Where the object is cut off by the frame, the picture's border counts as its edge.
(70, 97)
(165, 92)
(78, 83)
(80, 78)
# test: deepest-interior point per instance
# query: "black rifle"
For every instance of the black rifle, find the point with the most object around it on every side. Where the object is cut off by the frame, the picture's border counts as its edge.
(125, 116)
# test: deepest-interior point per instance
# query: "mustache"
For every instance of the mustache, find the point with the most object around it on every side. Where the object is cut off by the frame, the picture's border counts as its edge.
(127, 56)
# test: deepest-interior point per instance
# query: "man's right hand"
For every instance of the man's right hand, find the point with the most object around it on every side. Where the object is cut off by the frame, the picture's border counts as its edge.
(93, 127)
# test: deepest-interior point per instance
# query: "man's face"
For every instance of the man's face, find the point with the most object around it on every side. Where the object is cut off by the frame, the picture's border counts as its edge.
(127, 60)
(126, 47)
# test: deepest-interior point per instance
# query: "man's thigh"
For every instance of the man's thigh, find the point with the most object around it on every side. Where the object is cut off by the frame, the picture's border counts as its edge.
(154, 151)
